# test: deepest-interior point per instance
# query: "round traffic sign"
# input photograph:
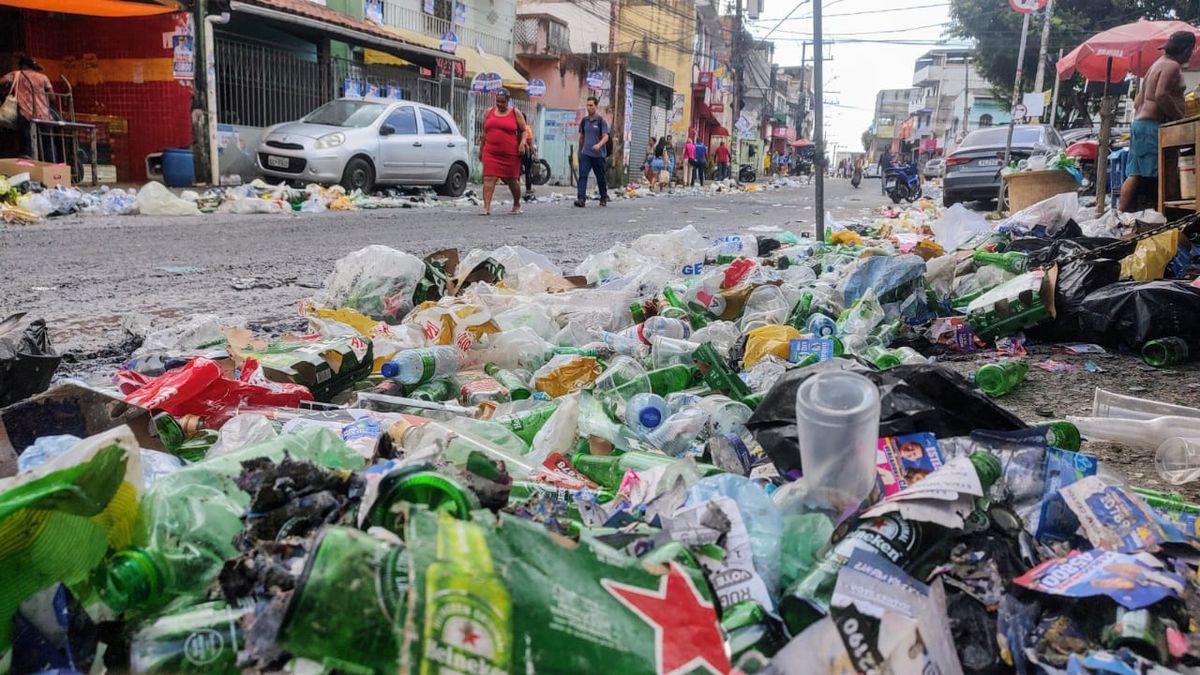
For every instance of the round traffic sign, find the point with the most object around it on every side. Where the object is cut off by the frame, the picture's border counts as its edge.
(1026, 6)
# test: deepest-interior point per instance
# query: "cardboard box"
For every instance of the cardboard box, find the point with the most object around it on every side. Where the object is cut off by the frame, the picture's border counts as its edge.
(43, 172)
(1018, 303)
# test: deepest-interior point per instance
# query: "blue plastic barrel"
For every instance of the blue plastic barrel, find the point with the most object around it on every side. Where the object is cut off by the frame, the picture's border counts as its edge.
(177, 167)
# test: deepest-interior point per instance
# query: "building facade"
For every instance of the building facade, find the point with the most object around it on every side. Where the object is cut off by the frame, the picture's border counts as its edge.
(891, 110)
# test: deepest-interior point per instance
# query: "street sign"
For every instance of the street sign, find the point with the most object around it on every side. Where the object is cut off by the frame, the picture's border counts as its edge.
(487, 83)
(1019, 111)
(595, 79)
(449, 43)
(1027, 6)
(536, 88)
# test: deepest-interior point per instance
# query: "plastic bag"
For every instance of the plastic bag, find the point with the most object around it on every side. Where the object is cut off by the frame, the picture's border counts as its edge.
(154, 199)
(958, 226)
(195, 332)
(1052, 214)
(1075, 281)
(559, 432)
(774, 339)
(1150, 258)
(27, 360)
(452, 321)
(884, 274)
(376, 281)
(1131, 313)
(37, 203)
(683, 250)
(199, 388)
(913, 398)
(566, 373)
(241, 431)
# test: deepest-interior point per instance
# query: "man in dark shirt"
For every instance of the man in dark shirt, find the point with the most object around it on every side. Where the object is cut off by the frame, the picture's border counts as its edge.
(593, 147)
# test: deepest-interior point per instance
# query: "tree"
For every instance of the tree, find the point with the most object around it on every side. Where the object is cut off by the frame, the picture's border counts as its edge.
(995, 29)
(868, 140)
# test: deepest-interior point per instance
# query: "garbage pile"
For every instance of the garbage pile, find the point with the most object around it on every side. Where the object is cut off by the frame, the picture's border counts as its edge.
(684, 455)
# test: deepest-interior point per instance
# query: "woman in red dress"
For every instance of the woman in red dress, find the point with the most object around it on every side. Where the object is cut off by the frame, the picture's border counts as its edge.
(505, 135)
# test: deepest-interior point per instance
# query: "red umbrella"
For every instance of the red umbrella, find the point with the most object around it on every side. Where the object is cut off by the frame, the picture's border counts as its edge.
(1132, 48)
(801, 143)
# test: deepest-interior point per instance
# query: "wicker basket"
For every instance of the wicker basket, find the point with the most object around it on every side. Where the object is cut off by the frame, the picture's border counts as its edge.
(1030, 187)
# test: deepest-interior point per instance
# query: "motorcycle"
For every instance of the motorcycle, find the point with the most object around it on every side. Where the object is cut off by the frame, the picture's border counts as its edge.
(903, 183)
(746, 173)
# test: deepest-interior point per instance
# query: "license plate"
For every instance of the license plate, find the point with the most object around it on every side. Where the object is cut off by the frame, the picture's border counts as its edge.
(278, 162)
(987, 162)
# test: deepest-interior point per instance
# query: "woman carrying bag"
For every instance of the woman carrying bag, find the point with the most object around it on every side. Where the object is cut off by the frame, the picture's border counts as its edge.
(27, 98)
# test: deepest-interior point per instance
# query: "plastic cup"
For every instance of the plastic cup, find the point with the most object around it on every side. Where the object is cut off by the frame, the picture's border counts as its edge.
(623, 379)
(1177, 460)
(1109, 404)
(837, 423)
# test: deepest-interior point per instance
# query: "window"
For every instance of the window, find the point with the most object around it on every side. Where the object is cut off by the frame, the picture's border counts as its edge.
(434, 123)
(985, 120)
(403, 120)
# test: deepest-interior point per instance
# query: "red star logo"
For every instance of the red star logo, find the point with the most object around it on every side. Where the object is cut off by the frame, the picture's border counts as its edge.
(469, 636)
(686, 635)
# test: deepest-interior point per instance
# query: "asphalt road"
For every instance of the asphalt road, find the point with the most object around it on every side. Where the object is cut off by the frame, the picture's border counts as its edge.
(86, 275)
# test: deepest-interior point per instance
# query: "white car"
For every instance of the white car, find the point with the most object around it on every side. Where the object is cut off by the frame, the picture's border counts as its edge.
(364, 142)
(935, 168)
(871, 170)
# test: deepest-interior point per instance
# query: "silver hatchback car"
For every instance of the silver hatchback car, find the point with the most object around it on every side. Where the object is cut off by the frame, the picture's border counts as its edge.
(364, 142)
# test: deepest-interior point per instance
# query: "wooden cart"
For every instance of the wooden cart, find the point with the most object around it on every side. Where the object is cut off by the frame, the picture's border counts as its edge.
(1173, 137)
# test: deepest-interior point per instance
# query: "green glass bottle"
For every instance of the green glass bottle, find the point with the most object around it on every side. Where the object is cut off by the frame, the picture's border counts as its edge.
(349, 597)
(799, 316)
(608, 470)
(695, 318)
(1012, 261)
(518, 388)
(438, 390)
(998, 379)
(200, 639)
(1164, 352)
(917, 547)
(1063, 435)
(468, 612)
(664, 381)
(184, 437)
(1166, 501)
(527, 423)
(436, 491)
(637, 312)
(717, 375)
(882, 357)
(573, 351)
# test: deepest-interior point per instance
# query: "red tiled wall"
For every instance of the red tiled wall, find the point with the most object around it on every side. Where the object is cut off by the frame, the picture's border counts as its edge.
(157, 110)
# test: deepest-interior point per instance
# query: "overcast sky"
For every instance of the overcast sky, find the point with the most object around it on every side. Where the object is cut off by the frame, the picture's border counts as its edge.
(857, 69)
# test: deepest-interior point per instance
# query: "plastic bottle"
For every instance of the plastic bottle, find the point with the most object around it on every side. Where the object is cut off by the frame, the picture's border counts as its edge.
(821, 326)
(998, 379)
(680, 432)
(646, 412)
(916, 547)
(657, 325)
(1165, 352)
(1011, 261)
(1146, 434)
(665, 351)
(837, 423)
(664, 381)
(1177, 460)
(483, 389)
(882, 357)
(625, 344)
(434, 390)
(414, 366)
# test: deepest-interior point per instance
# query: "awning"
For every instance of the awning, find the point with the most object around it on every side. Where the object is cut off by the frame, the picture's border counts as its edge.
(479, 62)
(327, 21)
(104, 8)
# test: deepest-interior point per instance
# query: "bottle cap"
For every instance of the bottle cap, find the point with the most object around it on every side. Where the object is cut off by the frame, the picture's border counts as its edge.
(129, 579)
(650, 417)
(389, 369)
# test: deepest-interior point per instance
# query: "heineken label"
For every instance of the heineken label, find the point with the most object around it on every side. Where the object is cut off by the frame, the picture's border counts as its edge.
(566, 607)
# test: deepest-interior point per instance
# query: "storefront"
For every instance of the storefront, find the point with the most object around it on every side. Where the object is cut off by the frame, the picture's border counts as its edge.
(122, 68)
(652, 90)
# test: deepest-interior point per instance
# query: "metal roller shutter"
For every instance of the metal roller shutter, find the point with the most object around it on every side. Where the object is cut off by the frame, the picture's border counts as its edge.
(639, 131)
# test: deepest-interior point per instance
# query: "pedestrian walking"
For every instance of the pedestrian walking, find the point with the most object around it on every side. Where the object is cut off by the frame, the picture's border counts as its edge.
(701, 162)
(721, 154)
(670, 159)
(658, 164)
(856, 178)
(885, 163)
(689, 156)
(646, 161)
(505, 137)
(593, 149)
(32, 90)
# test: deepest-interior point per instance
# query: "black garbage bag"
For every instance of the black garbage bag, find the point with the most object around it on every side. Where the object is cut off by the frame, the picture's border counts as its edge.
(913, 398)
(1132, 313)
(27, 361)
(1044, 251)
(1075, 281)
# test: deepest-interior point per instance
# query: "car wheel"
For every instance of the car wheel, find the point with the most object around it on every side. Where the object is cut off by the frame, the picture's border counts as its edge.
(358, 175)
(456, 182)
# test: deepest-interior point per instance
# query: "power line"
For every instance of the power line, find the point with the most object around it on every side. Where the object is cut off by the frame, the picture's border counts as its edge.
(868, 11)
(789, 14)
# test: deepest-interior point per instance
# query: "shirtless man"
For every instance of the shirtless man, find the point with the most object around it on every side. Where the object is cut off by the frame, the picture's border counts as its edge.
(1159, 99)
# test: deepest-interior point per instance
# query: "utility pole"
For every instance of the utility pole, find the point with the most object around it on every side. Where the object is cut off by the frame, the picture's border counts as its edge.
(803, 85)
(737, 58)
(1054, 98)
(819, 122)
(1016, 98)
(200, 110)
(616, 94)
(966, 126)
(1039, 76)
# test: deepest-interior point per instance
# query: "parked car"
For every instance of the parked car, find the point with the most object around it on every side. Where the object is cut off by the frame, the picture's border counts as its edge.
(871, 170)
(973, 170)
(364, 142)
(934, 168)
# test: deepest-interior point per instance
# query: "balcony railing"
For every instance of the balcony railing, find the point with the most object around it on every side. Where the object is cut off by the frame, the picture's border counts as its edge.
(927, 74)
(405, 18)
(542, 36)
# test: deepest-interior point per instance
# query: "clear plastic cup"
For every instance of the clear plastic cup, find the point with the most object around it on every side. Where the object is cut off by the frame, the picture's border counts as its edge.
(623, 379)
(1177, 460)
(1109, 404)
(837, 422)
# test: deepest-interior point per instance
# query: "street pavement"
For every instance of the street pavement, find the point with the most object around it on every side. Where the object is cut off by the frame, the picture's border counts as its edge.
(89, 277)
